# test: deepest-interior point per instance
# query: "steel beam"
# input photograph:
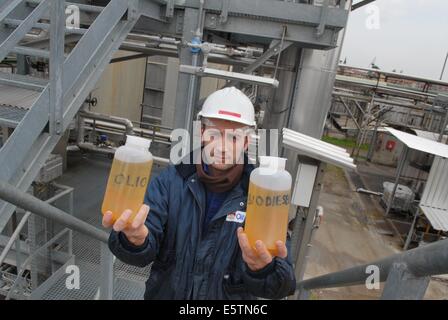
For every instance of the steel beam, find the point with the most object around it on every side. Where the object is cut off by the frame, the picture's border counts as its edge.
(350, 113)
(57, 50)
(7, 8)
(298, 13)
(276, 47)
(305, 35)
(153, 11)
(227, 75)
(302, 259)
(361, 4)
(28, 147)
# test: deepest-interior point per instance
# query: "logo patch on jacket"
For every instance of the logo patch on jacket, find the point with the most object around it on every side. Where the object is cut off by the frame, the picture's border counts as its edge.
(237, 216)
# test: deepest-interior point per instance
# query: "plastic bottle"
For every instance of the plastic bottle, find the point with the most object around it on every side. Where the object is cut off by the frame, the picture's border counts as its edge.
(268, 203)
(128, 178)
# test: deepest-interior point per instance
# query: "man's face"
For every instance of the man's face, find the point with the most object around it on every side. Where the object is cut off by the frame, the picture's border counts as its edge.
(224, 143)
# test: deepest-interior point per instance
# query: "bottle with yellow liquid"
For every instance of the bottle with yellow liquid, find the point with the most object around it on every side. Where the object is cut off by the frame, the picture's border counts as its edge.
(128, 178)
(268, 203)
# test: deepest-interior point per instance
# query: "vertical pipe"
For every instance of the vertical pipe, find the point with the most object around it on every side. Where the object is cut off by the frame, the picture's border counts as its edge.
(373, 140)
(187, 84)
(107, 273)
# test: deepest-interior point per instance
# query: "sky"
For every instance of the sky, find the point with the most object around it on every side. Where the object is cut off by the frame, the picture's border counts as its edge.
(405, 35)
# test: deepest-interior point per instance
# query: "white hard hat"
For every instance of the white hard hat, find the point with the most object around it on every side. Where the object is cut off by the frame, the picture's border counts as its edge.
(229, 104)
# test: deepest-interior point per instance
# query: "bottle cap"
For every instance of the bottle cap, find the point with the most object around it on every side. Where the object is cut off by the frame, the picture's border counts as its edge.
(138, 142)
(273, 163)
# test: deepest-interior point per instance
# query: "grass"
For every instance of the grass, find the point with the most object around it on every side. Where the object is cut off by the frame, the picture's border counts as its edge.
(344, 143)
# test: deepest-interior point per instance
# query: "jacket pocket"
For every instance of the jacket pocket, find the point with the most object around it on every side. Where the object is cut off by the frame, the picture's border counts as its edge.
(159, 284)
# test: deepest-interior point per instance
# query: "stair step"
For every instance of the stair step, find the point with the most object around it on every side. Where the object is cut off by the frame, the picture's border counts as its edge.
(21, 81)
(15, 102)
(11, 116)
(43, 26)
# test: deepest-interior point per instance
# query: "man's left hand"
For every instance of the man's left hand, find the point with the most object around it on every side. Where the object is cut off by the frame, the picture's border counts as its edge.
(259, 257)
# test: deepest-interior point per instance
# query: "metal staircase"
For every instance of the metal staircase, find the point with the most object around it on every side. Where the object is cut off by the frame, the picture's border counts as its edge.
(72, 78)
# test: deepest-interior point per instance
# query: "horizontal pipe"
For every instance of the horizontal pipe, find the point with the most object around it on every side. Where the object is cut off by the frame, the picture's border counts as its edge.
(432, 259)
(91, 147)
(98, 116)
(212, 57)
(31, 52)
(137, 131)
(30, 203)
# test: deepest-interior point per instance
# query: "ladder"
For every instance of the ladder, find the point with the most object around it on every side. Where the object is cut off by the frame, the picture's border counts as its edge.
(72, 76)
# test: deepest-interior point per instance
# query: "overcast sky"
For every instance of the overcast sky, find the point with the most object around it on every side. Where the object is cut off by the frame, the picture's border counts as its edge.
(409, 35)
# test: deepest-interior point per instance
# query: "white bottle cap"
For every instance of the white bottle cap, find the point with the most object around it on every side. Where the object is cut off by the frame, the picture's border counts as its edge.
(138, 142)
(273, 163)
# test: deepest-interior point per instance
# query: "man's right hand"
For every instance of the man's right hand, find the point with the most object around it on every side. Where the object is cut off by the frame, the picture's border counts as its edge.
(136, 232)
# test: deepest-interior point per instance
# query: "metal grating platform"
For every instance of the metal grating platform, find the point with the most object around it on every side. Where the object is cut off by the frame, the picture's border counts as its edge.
(129, 281)
(11, 116)
(88, 176)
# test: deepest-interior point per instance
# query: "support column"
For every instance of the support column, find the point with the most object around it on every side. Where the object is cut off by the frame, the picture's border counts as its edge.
(301, 262)
(188, 85)
(278, 109)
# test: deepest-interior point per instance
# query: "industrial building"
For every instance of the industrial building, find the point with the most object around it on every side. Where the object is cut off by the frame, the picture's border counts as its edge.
(77, 77)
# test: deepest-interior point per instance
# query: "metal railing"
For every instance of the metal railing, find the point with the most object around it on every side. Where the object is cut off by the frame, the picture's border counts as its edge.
(32, 204)
(406, 274)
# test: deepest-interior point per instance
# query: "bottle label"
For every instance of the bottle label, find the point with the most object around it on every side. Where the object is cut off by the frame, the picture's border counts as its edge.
(130, 181)
(269, 200)
(237, 216)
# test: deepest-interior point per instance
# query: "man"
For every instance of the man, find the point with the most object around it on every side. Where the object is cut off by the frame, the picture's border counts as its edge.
(188, 228)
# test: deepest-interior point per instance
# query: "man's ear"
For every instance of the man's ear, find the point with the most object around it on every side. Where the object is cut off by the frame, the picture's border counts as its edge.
(247, 139)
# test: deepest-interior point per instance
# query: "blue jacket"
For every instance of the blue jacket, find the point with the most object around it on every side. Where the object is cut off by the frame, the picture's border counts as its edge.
(190, 264)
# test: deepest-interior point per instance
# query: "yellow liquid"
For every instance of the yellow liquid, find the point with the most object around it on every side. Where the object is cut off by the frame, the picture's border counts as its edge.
(267, 216)
(126, 187)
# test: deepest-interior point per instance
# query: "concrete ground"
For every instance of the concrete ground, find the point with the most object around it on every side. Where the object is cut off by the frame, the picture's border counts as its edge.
(353, 232)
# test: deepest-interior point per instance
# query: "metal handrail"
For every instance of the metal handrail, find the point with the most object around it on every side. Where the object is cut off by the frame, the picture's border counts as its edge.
(22, 222)
(432, 259)
(32, 256)
(27, 202)
(32, 204)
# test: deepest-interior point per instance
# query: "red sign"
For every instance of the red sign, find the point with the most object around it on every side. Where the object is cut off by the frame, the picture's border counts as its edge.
(390, 145)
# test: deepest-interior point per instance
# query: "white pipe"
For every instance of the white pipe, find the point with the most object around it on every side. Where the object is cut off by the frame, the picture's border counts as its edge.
(320, 146)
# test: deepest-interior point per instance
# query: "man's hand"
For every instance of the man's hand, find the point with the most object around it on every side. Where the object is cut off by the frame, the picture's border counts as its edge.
(259, 258)
(136, 232)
